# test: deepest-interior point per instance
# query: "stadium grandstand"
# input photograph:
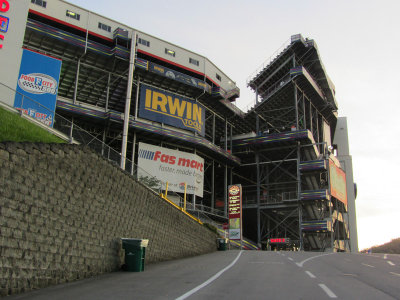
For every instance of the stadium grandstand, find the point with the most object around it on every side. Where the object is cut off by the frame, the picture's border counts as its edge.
(167, 115)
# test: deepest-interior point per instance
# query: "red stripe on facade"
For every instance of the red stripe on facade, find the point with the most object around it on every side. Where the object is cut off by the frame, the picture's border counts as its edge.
(69, 25)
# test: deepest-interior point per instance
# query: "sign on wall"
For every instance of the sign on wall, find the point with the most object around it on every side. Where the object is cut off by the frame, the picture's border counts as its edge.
(38, 81)
(172, 166)
(171, 109)
(337, 182)
(235, 211)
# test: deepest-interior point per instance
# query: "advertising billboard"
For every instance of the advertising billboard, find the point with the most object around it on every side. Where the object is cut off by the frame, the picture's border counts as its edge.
(172, 166)
(235, 211)
(171, 109)
(337, 182)
(38, 81)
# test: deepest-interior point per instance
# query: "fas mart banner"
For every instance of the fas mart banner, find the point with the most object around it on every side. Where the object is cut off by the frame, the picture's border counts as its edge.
(172, 166)
(171, 109)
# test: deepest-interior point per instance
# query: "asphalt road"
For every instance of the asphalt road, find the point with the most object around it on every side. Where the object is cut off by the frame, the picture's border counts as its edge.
(245, 275)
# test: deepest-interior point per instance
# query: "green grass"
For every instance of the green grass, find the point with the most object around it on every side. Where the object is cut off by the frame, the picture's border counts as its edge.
(13, 128)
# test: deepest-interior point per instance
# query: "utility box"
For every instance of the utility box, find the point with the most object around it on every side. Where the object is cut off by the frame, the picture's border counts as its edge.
(135, 253)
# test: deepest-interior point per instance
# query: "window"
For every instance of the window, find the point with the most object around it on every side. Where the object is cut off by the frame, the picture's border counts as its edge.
(218, 77)
(73, 15)
(194, 61)
(170, 52)
(105, 27)
(41, 3)
(144, 42)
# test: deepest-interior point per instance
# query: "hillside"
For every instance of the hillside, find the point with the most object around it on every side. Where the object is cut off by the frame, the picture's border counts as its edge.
(393, 247)
(16, 129)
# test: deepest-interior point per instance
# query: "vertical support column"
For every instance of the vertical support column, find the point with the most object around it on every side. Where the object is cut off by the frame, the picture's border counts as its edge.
(231, 145)
(108, 92)
(226, 190)
(194, 193)
(212, 186)
(337, 238)
(103, 141)
(304, 113)
(311, 118)
(296, 107)
(330, 200)
(213, 128)
(133, 153)
(257, 157)
(226, 134)
(137, 98)
(71, 131)
(128, 100)
(78, 68)
(300, 207)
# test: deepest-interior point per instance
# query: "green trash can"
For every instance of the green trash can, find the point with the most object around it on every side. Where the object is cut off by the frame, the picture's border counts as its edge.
(221, 244)
(135, 253)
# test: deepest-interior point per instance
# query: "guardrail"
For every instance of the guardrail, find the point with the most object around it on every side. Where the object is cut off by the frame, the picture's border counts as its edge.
(268, 61)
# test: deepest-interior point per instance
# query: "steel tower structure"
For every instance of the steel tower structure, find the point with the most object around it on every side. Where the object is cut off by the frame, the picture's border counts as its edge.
(286, 161)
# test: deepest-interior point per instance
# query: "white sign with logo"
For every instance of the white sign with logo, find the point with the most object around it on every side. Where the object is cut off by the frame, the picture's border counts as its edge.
(172, 166)
(37, 83)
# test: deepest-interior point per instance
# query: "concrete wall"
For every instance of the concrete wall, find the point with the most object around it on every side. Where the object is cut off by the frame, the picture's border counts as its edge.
(64, 209)
(342, 142)
(11, 51)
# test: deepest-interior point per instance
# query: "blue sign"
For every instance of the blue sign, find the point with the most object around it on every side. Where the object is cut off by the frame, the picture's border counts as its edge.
(171, 109)
(37, 86)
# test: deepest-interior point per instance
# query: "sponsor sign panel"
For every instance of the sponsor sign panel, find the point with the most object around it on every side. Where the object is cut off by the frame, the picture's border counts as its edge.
(235, 211)
(38, 80)
(338, 182)
(175, 75)
(279, 241)
(171, 109)
(172, 166)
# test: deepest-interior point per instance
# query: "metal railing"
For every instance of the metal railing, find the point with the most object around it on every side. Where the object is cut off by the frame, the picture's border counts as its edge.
(268, 61)
(269, 92)
(204, 209)
(251, 198)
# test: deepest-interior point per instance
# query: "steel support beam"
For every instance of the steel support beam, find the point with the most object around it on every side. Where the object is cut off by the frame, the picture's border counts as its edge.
(128, 100)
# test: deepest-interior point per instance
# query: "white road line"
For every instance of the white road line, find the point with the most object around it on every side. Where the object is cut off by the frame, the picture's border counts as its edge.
(289, 258)
(327, 290)
(396, 274)
(385, 256)
(390, 263)
(310, 274)
(211, 279)
(368, 265)
(300, 264)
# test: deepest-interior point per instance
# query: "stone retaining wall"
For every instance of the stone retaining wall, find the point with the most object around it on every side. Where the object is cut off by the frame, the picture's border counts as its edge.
(63, 210)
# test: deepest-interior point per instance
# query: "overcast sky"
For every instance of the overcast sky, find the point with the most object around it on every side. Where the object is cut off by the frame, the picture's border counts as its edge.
(359, 42)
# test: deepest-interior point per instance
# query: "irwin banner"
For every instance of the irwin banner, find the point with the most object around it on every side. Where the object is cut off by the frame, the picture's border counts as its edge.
(172, 166)
(38, 81)
(235, 211)
(338, 182)
(171, 109)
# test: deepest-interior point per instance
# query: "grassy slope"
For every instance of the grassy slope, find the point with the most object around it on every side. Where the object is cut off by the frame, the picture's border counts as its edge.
(16, 129)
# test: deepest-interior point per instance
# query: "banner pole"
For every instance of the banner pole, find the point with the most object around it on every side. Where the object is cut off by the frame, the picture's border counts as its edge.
(166, 189)
(184, 199)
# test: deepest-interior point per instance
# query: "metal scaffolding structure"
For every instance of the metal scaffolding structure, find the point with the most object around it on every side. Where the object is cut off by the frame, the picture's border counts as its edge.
(280, 150)
(288, 195)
